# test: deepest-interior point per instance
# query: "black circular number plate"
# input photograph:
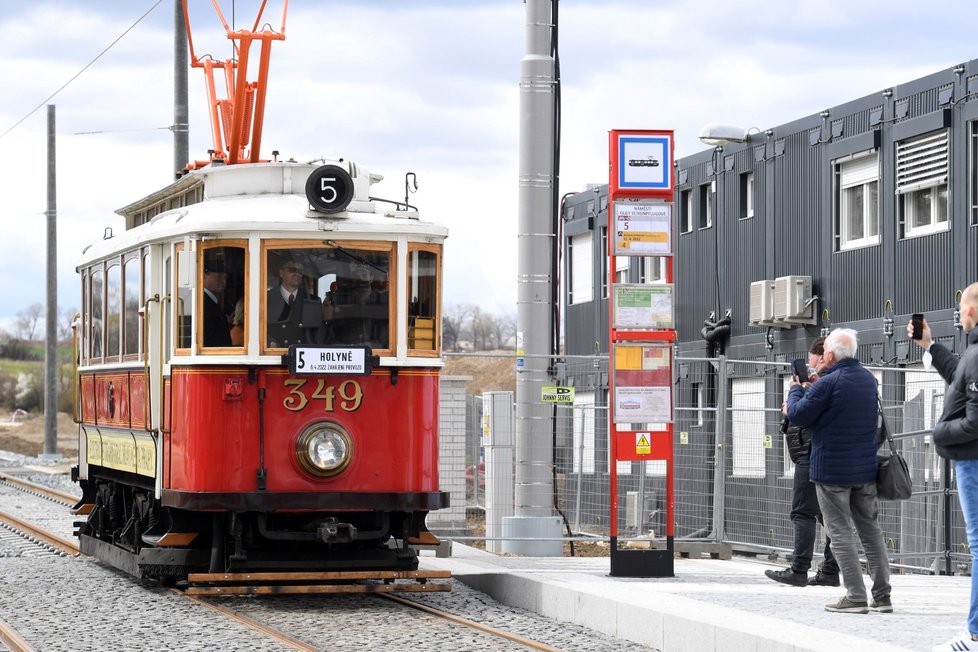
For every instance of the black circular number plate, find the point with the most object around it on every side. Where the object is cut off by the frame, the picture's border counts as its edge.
(329, 188)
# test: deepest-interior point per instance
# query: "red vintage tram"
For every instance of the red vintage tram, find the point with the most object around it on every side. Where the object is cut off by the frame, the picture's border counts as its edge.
(258, 373)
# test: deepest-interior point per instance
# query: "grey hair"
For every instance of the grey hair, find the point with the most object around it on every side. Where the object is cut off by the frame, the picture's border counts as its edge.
(843, 343)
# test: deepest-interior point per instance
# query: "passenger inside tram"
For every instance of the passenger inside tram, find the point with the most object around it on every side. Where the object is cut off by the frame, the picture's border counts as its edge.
(356, 310)
(293, 311)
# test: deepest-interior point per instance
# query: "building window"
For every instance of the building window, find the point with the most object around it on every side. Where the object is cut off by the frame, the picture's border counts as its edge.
(746, 195)
(921, 183)
(621, 269)
(747, 427)
(708, 193)
(605, 260)
(652, 269)
(858, 202)
(581, 265)
(686, 211)
(973, 173)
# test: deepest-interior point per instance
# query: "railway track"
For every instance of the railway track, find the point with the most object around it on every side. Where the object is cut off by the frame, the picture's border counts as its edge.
(266, 584)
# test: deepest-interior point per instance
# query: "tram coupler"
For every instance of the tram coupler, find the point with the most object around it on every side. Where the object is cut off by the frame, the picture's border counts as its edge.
(332, 531)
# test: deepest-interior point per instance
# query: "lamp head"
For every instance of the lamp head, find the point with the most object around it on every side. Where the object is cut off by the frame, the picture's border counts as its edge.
(715, 134)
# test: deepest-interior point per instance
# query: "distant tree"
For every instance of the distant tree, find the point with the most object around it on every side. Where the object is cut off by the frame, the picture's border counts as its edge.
(454, 323)
(25, 326)
(65, 318)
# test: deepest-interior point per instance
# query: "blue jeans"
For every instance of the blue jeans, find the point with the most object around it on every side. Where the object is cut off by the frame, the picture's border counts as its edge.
(966, 477)
(844, 508)
(804, 514)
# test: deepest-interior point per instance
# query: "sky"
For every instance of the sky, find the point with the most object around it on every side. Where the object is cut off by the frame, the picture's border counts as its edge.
(426, 86)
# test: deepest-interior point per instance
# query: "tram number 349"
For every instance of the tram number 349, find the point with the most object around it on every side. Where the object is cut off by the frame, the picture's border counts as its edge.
(349, 393)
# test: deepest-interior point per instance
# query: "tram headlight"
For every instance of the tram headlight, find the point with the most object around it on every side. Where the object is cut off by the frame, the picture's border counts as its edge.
(324, 449)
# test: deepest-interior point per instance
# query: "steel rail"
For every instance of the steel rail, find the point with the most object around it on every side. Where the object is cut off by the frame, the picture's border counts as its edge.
(501, 633)
(13, 640)
(45, 536)
(46, 492)
(251, 622)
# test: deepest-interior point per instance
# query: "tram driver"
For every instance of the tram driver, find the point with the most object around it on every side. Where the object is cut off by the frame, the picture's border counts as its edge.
(294, 315)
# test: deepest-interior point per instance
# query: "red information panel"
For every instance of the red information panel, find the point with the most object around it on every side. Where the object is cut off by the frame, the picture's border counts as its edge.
(644, 445)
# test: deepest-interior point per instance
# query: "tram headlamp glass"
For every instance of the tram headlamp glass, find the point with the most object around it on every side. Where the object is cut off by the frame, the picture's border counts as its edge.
(324, 449)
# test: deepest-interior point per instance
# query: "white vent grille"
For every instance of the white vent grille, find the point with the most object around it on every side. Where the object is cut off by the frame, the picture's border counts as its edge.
(922, 162)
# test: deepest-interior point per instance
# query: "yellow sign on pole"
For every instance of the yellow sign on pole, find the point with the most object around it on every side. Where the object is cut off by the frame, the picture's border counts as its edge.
(557, 395)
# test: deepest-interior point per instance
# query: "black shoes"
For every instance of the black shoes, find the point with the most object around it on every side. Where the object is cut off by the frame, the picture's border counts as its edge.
(824, 579)
(788, 576)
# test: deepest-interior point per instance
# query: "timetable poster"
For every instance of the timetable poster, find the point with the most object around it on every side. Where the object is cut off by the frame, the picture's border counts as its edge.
(646, 307)
(643, 383)
(643, 229)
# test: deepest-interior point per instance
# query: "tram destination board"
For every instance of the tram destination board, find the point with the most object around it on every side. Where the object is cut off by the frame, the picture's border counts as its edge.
(329, 360)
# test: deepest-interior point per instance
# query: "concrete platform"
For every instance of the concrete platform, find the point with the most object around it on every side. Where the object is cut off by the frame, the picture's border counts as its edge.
(713, 604)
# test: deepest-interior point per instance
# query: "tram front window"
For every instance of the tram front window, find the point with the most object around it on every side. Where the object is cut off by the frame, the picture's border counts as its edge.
(328, 295)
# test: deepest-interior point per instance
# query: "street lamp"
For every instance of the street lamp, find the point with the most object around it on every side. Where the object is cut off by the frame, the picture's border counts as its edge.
(717, 134)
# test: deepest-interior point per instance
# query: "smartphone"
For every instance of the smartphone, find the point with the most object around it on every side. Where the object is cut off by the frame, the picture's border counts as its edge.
(799, 368)
(917, 320)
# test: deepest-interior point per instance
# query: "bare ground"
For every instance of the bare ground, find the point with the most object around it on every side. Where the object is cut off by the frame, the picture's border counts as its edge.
(26, 437)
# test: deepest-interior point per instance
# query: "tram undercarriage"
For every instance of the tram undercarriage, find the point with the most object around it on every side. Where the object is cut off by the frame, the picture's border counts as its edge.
(131, 530)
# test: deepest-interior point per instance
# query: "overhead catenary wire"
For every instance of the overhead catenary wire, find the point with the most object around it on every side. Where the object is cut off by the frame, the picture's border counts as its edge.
(78, 74)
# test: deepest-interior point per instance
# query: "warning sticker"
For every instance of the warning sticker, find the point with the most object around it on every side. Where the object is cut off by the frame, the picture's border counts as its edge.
(643, 445)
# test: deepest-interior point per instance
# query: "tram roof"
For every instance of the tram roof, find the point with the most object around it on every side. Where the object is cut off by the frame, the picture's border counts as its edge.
(268, 198)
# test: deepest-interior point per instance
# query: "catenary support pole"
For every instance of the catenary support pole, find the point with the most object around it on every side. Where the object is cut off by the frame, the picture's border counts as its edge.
(535, 242)
(181, 126)
(51, 307)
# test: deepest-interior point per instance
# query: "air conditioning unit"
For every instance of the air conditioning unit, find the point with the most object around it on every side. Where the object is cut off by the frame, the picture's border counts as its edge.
(761, 309)
(793, 302)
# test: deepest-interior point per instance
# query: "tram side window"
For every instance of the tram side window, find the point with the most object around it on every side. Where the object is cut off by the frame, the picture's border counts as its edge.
(184, 302)
(130, 309)
(329, 295)
(113, 310)
(423, 322)
(96, 318)
(222, 297)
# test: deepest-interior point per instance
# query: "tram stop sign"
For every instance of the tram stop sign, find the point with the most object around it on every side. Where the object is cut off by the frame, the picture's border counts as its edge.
(557, 395)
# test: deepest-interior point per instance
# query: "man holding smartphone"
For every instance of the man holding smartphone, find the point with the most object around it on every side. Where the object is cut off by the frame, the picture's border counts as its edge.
(841, 409)
(955, 436)
(804, 501)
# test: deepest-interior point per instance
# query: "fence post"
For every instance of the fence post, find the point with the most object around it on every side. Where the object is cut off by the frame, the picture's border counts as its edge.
(720, 450)
(948, 566)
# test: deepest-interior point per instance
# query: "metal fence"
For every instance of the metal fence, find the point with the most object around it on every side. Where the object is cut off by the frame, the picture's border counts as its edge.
(732, 473)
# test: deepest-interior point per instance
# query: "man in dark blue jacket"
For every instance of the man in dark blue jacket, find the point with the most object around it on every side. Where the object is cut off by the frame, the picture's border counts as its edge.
(956, 438)
(805, 512)
(841, 409)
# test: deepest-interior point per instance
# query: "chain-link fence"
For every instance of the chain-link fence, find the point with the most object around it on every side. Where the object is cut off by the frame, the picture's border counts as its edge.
(732, 473)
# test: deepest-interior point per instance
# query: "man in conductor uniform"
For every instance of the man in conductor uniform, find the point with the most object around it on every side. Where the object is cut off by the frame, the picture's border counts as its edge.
(293, 317)
(216, 331)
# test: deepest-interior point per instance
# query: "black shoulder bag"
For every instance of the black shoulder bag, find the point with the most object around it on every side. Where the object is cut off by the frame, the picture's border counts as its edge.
(892, 474)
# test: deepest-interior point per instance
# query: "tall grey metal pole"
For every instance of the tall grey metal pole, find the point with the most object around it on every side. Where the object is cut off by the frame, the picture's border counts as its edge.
(536, 240)
(181, 120)
(51, 307)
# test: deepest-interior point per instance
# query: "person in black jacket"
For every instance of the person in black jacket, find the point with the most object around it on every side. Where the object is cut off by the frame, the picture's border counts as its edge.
(804, 502)
(216, 331)
(842, 409)
(956, 437)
